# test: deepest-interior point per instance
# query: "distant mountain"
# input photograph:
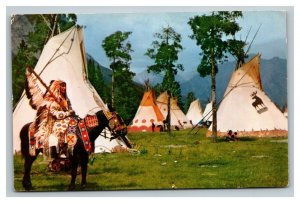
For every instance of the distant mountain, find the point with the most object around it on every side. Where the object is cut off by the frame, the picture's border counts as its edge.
(273, 76)
(158, 78)
(20, 28)
(202, 86)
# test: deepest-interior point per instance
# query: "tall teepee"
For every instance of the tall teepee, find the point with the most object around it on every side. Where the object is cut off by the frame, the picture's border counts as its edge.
(147, 113)
(194, 114)
(178, 118)
(246, 108)
(63, 58)
(207, 114)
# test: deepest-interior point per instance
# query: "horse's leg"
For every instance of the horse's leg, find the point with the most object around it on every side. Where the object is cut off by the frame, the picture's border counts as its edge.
(27, 168)
(84, 165)
(74, 165)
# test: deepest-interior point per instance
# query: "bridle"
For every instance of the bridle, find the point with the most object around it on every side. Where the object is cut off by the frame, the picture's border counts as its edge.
(116, 124)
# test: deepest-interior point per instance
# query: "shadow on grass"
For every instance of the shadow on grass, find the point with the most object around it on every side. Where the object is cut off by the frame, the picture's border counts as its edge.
(92, 186)
(240, 139)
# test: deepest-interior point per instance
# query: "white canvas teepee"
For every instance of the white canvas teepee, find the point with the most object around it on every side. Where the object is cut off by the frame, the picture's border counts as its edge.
(63, 58)
(104, 144)
(147, 113)
(207, 114)
(194, 113)
(242, 110)
(177, 116)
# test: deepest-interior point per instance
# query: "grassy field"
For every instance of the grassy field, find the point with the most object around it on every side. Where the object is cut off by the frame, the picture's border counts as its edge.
(177, 161)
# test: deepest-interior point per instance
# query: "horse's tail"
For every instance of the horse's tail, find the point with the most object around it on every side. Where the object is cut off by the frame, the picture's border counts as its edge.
(24, 140)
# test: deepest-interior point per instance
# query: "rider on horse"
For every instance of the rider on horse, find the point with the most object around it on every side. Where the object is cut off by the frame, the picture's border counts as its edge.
(52, 118)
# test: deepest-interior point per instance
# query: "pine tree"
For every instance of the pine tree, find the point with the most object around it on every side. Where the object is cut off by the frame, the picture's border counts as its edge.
(124, 94)
(164, 52)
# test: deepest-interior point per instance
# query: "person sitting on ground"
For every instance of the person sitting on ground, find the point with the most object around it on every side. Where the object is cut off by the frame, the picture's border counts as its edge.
(234, 137)
(229, 136)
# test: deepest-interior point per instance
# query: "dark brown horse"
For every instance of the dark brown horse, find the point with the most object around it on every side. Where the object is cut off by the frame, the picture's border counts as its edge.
(79, 156)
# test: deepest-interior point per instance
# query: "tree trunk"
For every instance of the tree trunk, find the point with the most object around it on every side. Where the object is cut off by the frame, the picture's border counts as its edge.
(169, 112)
(213, 99)
(169, 93)
(112, 85)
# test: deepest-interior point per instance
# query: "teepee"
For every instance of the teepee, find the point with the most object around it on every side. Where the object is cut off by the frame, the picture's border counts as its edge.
(285, 113)
(194, 114)
(177, 116)
(104, 144)
(63, 58)
(246, 108)
(207, 114)
(147, 113)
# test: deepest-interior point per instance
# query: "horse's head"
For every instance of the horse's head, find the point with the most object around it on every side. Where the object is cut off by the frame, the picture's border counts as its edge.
(113, 121)
(117, 125)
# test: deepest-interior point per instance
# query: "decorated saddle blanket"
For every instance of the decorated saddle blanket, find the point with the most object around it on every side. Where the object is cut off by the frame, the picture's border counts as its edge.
(68, 129)
(91, 121)
(84, 136)
(72, 132)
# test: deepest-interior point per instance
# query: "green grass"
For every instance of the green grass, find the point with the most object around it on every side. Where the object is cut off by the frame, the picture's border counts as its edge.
(186, 161)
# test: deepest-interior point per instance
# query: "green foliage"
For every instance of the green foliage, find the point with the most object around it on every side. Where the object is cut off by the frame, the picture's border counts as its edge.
(22, 59)
(236, 49)
(165, 161)
(125, 95)
(164, 52)
(118, 50)
(211, 34)
(95, 76)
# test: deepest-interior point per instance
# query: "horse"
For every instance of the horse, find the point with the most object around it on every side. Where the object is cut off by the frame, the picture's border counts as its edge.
(80, 155)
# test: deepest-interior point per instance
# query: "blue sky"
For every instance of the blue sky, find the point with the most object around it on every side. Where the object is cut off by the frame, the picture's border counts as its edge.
(270, 41)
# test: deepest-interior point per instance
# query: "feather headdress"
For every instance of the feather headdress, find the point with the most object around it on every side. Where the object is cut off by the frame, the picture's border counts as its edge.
(33, 90)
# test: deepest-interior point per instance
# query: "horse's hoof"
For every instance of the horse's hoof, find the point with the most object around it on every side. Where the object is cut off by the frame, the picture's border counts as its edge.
(71, 187)
(83, 185)
(27, 186)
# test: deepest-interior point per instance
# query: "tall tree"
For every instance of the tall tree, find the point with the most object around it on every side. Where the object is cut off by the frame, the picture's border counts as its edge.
(164, 52)
(211, 33)
(127, 95)
(118, 50)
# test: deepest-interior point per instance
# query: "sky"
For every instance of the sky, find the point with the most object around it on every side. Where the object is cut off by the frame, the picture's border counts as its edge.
(270, 40)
